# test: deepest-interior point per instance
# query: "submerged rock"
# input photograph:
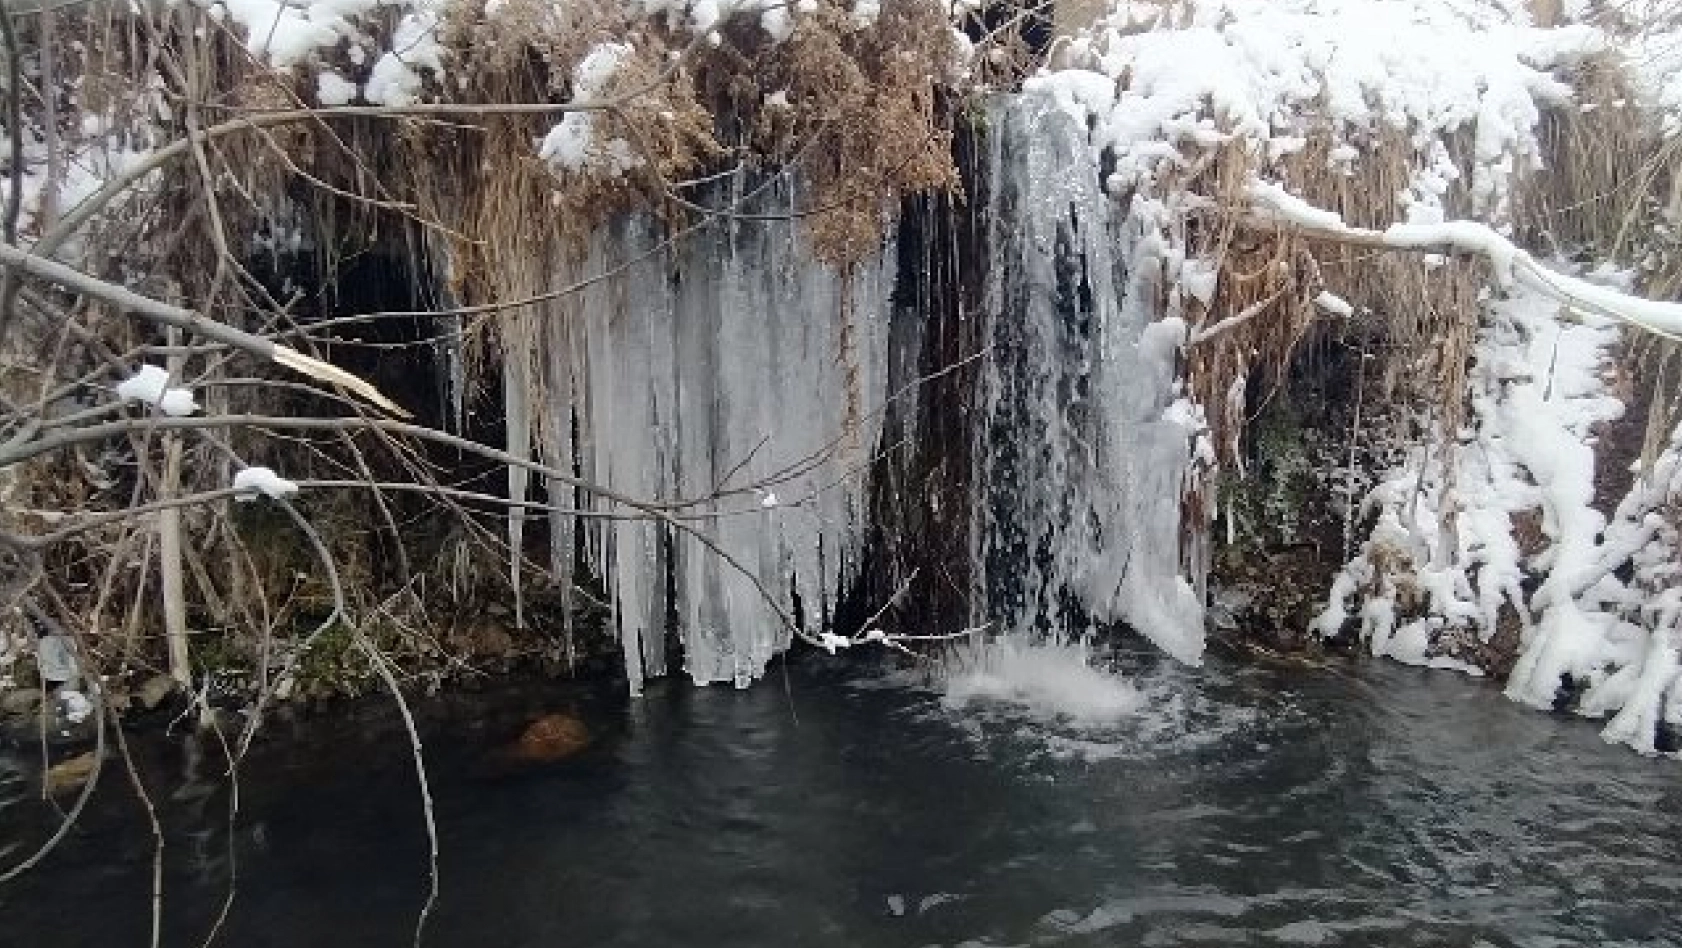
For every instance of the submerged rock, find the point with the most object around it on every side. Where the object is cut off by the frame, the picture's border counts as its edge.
(548, 739)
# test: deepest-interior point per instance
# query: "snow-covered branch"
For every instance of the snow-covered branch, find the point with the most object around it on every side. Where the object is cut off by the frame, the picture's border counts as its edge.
(1512, 265)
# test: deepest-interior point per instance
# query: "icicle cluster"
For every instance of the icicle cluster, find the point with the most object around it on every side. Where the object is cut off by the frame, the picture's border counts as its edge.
(734, 367)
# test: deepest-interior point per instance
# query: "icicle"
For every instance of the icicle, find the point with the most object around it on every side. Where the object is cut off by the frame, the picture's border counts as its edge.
(556, 444)
(449, 330)
(516, 407)
(431, 255)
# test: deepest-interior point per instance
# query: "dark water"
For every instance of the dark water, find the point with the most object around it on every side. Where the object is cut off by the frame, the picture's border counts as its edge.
(1238, 805)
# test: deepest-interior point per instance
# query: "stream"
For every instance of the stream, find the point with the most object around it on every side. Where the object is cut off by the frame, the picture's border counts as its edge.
(1023, 800)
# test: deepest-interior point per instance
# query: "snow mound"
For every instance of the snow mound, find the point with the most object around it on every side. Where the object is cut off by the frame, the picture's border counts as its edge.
(150, 384)
(1429, 590)
(261, 480)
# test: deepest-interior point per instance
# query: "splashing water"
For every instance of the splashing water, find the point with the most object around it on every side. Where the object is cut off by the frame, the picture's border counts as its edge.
(1054, 680)
(1072, 697)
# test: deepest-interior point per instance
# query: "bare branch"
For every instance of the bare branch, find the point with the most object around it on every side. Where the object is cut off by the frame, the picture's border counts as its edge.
(164, 314)
(14, 184)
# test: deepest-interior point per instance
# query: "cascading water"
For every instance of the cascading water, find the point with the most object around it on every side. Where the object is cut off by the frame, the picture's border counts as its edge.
(735, 359)
(1080, 470)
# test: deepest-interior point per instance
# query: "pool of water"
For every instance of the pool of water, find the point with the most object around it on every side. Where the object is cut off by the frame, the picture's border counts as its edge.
(1146, 804)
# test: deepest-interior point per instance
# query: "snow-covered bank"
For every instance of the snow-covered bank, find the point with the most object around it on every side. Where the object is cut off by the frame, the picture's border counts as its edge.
(704, 297)
(1493, 533)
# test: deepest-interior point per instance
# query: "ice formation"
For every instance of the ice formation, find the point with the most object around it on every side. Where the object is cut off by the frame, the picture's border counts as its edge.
(736, 362)
(737, 366)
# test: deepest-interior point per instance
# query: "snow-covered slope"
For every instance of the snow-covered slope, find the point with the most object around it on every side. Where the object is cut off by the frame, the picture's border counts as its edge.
(1162, 83)
(1495, 533)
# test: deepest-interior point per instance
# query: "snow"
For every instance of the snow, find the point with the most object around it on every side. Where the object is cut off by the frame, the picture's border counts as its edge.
(289, 35)
(1538, 391)
(1334, 304)
(334, 89)
(1198, 279)
(286, 34)
(1652, 55)
(1511, 265)
(703, 17)
(261, 480)
(90, 159)
(571, 144)
(1275, 71)
(830, 642)
(177, 402)
(396, 77)
(777, 23)
(76, 705)
(150, 384)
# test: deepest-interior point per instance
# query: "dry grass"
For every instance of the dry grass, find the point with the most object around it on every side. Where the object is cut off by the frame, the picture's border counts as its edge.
(1423, 310)
(1606, 187)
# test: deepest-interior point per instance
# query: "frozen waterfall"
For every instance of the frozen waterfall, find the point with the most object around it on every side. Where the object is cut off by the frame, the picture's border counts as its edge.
(728, 365)
(733, 364)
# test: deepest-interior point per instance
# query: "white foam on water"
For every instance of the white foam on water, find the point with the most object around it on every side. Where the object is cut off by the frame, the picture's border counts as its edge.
(1054, 680)
(1068, 699)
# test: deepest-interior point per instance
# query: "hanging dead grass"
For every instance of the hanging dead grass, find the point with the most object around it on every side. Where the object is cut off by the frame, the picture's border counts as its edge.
(1417, 315)
(856, 111)
(1605, 169)
(1245, 338)
(851, 108)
